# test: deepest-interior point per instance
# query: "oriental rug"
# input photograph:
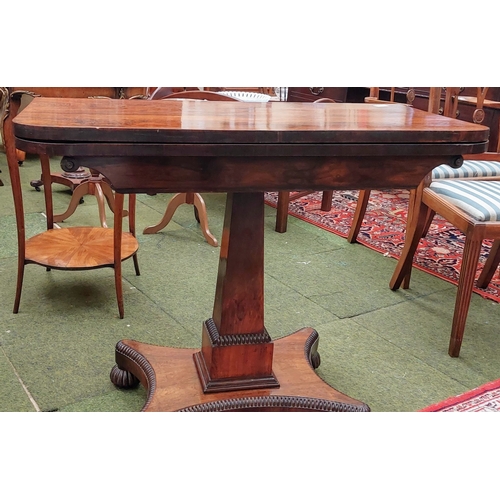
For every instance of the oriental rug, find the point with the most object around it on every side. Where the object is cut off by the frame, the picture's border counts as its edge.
(484, 398)
(383, 230)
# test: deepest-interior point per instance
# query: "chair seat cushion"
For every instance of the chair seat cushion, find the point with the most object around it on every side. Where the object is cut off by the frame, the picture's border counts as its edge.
(470, 168)
(479, 199)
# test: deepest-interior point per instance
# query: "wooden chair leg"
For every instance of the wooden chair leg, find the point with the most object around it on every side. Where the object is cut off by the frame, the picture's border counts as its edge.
(411, 206)
(79, 192)
(98, 193)
(135, 259)
(176, 201)
(47, 190)
(282, 211)
(200, 213)
(490, 266)
(414, 199)
(131, 227)
(413, 235)
(326, 201)
(405, 284)
(199, 203)
(19, 286)
(468, 269)
(117, 249)
(428, 223)
(359, 214)
(106, 193)
(284, 199)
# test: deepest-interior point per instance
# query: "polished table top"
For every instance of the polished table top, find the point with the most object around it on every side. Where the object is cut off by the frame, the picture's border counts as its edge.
(348, 146)
(202, 122)
(243, 149)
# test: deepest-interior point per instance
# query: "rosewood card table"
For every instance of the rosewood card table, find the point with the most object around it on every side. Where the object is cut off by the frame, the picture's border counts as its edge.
(242, 149)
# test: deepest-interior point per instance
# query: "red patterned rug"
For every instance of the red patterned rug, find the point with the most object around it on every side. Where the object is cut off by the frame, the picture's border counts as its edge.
(484, 398)
(439, 254)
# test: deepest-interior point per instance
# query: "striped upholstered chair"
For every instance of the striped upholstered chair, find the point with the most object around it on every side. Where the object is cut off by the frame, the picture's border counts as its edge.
(473, 207)
(477, 169)
(471, 170)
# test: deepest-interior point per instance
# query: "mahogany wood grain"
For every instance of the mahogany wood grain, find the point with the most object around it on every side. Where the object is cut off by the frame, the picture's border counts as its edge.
(243, 149)
(171, 121)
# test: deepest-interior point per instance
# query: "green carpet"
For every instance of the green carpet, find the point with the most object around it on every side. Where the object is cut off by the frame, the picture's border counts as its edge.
(387, 349)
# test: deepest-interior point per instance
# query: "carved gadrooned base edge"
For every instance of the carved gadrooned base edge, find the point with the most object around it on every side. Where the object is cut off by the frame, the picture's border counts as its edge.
(283, 403)
(126, 357)
(235, 383)
(133, 366)
(240, 339)
(311, 350)
(279, 403)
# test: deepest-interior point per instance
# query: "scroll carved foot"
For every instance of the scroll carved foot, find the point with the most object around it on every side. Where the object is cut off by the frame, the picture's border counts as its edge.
(122, 378)
(311, 350)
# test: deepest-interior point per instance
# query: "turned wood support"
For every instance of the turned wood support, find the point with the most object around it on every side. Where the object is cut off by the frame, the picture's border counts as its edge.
(176, 201)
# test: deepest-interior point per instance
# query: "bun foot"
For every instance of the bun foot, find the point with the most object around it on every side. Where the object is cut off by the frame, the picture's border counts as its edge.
(122, 378)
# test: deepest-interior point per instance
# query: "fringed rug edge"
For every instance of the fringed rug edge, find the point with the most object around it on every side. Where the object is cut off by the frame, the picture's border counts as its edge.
(466, 396)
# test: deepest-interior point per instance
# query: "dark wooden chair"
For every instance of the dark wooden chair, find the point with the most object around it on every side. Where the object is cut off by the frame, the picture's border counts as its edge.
(285, 197)
(472, 205)
(194, 199)
(69, 248)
